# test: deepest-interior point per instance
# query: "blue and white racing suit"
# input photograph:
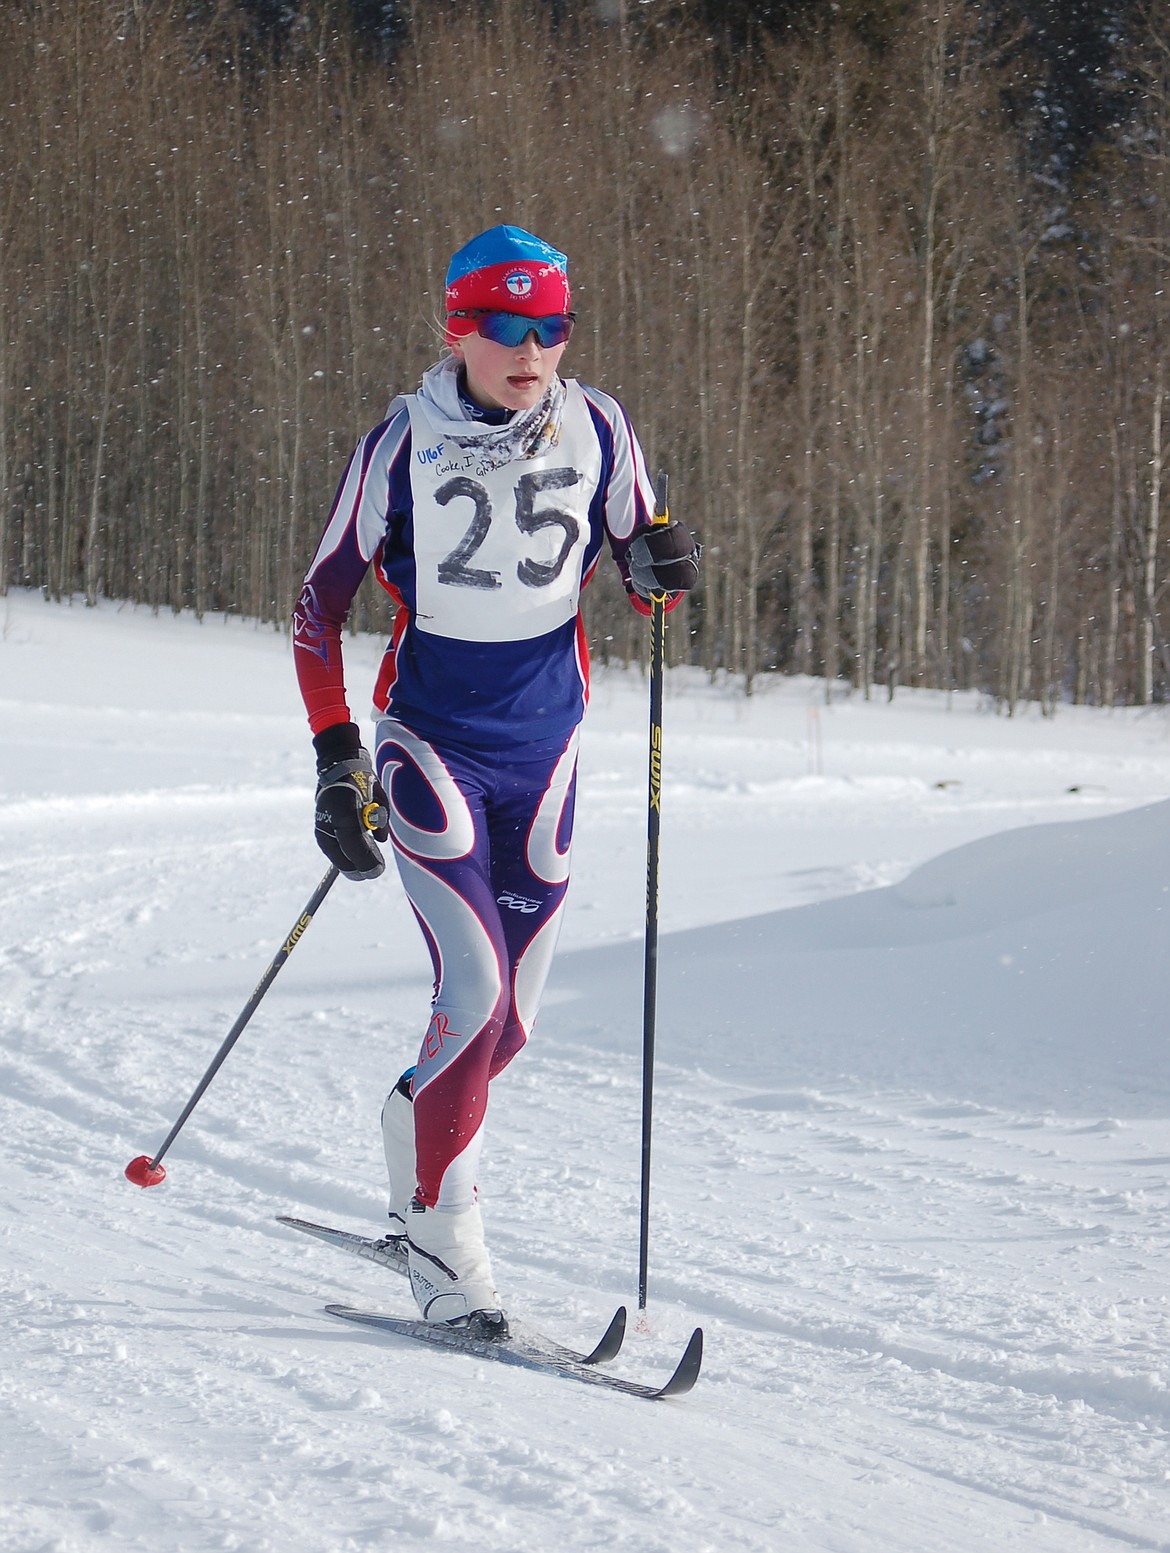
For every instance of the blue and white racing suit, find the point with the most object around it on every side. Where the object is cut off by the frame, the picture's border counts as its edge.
(479, 697)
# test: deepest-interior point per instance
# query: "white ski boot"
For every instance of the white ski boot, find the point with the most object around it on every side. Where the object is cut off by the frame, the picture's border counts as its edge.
(398, 1142)
(450, 1272)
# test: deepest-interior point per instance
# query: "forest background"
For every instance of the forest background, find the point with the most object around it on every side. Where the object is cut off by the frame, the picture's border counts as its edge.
(882, 287)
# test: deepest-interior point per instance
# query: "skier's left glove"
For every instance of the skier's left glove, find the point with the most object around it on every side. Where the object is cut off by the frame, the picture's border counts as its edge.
(352, 809)
(664, 559)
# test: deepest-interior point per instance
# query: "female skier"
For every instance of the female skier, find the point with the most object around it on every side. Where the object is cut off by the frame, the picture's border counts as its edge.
(482, 502)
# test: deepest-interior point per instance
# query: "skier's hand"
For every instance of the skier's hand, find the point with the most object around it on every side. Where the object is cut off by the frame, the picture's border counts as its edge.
(352, 809)
(664, 559)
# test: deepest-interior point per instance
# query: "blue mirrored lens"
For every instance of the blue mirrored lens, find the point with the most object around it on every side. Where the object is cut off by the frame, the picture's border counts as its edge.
(512, 329)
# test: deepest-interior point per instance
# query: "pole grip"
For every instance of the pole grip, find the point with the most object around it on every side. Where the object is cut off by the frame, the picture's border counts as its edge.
(661, 505)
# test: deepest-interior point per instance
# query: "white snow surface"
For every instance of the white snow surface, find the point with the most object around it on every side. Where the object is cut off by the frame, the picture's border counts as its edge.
(911, 1136)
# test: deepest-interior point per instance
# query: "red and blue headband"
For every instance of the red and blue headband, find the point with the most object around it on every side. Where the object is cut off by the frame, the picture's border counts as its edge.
(506, 270)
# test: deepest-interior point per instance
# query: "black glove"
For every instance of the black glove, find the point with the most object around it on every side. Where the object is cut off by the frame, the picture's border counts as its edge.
(664, 559)
(352, 809)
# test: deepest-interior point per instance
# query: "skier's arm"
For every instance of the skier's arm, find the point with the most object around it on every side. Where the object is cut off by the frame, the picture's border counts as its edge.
(353, 534)
(318, 619)
(351, 807)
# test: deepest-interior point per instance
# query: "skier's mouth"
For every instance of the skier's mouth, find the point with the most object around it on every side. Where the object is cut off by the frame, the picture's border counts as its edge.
(523, 380)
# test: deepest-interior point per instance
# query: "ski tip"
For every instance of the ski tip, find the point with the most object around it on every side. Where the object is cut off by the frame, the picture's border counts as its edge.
(306, 1226)
(611, 1341)
(687, 1371)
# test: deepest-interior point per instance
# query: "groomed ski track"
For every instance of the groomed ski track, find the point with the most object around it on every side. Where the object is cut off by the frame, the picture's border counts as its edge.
(930, 1252)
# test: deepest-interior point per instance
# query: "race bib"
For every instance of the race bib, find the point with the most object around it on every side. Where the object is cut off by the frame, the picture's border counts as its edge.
(498, 553)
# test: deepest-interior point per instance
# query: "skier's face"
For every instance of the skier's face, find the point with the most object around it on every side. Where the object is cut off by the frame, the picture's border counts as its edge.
(506, 377)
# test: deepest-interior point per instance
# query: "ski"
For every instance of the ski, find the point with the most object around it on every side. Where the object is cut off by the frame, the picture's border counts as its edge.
(530, 1351)
(386, 1253)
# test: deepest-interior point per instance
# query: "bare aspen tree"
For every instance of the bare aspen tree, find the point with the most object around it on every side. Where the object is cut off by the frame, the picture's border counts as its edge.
(817, 120)
(870, 423)
(1020, 604)
(1049, 670)
(14, 199)
(1152, 240)
(835, 251)
(938, 100)
(1153, 525)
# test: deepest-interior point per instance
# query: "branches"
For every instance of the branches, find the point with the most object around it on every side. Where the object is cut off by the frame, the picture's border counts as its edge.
(909, 395)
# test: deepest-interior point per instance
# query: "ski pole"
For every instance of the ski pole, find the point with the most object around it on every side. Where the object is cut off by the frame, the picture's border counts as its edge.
(653, 818)
(145, 1171)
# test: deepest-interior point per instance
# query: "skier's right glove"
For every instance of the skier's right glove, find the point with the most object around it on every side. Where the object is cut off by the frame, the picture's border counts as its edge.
(352, 809)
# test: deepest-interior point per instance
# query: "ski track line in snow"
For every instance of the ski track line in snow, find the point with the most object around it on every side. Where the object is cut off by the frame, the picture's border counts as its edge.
(223, 1272)
(1126, 1398)
(973, 1192)
(987, 1382)
(932, 1324)
(1051, 1511)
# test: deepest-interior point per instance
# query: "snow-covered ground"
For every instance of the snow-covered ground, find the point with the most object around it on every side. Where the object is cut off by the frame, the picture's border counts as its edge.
(911, 1151)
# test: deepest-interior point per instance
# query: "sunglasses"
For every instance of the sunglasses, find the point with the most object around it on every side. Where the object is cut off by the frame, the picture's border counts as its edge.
(512, 329)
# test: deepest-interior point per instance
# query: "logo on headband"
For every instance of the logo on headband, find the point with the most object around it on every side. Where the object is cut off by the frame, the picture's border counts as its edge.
(518, 284)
